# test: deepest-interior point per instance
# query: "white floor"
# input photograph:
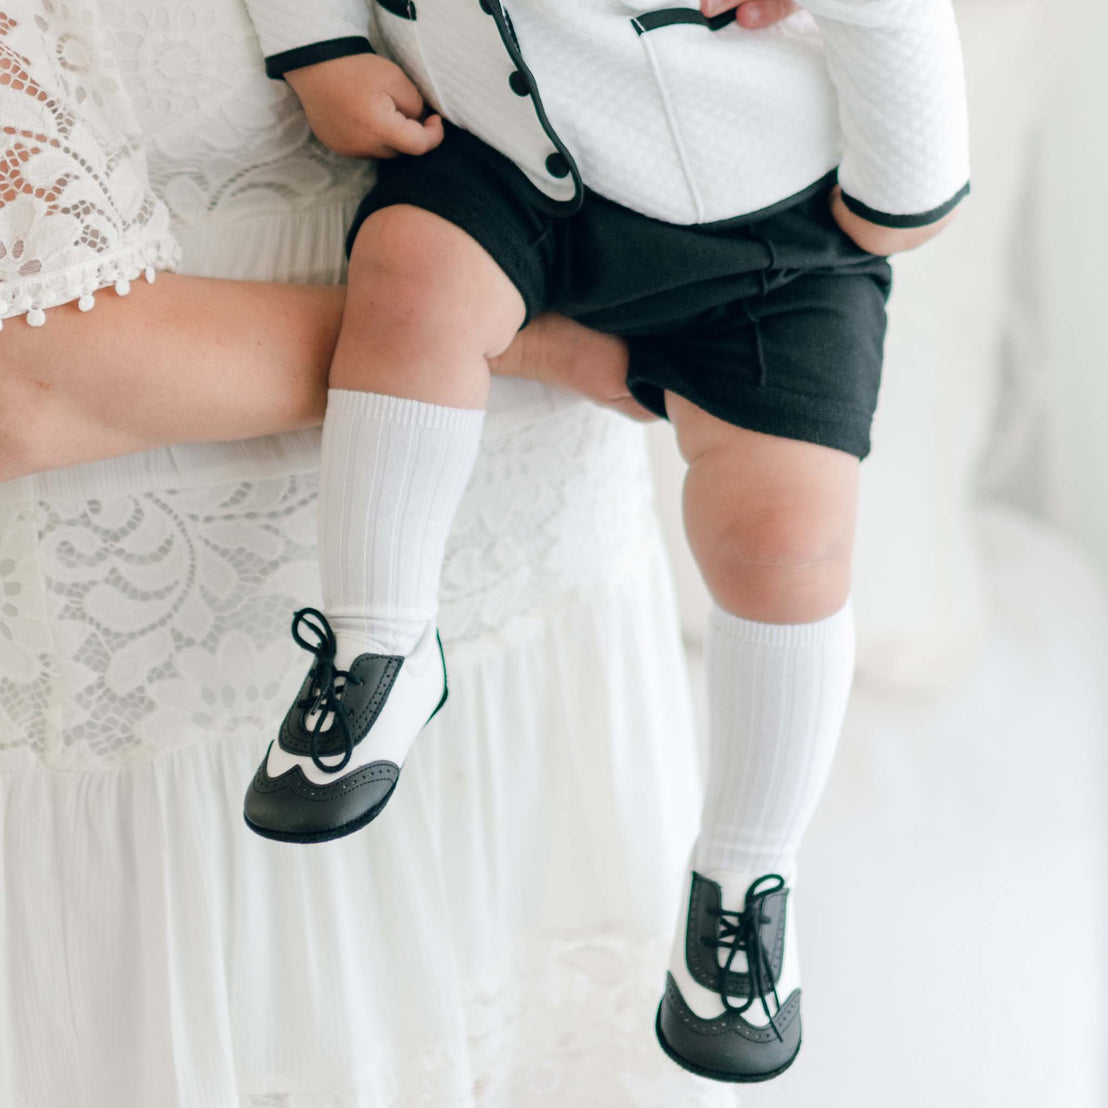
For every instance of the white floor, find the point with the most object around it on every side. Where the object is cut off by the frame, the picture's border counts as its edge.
(952, 889)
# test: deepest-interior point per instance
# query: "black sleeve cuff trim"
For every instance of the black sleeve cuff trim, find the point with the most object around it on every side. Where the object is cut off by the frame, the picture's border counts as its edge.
(277, 65)
(884, 219)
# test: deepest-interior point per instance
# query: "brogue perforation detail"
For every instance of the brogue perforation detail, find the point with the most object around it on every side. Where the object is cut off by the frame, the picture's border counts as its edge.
(293, 780)
(729, 1022)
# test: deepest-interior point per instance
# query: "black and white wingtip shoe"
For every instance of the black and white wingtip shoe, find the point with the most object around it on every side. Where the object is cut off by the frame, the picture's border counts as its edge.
(342, 744)
(721, 1015)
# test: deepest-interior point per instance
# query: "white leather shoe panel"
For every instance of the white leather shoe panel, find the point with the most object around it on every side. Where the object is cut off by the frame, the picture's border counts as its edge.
(415, 693)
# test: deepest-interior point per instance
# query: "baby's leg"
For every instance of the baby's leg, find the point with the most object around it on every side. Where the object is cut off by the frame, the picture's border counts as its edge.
(426, 308)
(771, 523)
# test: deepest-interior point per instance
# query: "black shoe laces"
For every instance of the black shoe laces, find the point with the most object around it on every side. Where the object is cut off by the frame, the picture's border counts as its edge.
(743, 931)
(324, 693)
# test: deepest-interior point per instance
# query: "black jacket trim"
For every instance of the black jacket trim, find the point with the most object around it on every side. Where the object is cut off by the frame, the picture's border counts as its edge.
(668, 17)
(923, 219)
(277, 65)
(824, 184)
(405, 9)
(511, 44)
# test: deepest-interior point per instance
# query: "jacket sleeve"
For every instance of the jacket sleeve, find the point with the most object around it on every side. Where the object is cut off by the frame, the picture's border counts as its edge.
(897, 67)
(295, 33)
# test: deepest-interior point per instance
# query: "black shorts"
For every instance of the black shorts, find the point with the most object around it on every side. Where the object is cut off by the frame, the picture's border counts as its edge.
(774, 322)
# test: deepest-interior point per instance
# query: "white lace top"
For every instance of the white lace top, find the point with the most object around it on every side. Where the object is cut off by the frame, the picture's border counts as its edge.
(77, 212)
(134, 128)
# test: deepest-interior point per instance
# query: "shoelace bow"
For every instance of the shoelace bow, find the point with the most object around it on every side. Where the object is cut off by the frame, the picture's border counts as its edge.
(743, 931)
(323, 695)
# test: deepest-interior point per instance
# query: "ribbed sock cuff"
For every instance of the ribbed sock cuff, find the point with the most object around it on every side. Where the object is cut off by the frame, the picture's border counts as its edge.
(783, 634)
(401, 411)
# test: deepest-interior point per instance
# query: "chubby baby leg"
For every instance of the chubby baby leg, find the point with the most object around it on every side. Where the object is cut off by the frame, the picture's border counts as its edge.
(426, 308)
(771, 522)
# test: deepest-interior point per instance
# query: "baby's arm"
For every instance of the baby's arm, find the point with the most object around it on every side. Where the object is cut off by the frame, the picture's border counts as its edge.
(357, 103)
(897, 65)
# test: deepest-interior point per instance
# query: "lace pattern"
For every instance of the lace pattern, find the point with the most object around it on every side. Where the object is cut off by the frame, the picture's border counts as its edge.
(76, 211)
(157, 619)
(28, 665)
(222, 140)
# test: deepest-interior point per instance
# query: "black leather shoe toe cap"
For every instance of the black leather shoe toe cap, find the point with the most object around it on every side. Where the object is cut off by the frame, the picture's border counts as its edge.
(290, 808)
(727, 1048)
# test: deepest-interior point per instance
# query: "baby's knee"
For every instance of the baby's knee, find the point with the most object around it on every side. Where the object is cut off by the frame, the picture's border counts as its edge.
(786, 537)
(779, 564)
(393, 262)
(401, 238)
(411, 267)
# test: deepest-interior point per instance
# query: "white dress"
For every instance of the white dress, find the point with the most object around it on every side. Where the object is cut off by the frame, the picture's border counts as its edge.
(498, 939)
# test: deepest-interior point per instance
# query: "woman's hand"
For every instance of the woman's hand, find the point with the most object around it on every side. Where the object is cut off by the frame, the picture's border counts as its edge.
(364, 106)
(557, 351)
(876, 238)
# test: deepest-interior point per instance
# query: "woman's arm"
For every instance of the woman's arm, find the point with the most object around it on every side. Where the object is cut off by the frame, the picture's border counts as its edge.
(186, 359)
(195, 359)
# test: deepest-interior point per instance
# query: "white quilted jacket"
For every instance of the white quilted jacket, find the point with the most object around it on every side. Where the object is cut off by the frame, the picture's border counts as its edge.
(684, 118)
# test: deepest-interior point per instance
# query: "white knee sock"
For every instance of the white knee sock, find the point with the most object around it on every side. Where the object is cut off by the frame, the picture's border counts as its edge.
(777, 694)
(392, 473)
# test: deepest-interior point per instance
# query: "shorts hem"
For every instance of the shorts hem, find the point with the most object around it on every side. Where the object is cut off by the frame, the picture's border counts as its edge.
(748, 409)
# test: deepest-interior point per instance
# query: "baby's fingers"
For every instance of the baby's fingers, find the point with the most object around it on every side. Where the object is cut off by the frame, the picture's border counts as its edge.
(762, 13)
(419, 137)
(396, 131)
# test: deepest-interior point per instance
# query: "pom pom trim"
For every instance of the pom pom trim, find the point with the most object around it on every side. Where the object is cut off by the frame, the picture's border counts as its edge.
(82, 282)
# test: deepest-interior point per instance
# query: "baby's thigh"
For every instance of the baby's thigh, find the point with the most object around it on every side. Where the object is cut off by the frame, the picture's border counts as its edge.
(739, 477)
(770, 519)
(416, 279)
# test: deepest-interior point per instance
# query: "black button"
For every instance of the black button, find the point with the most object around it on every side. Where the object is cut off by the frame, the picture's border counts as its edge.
(520, 85)
(557, 166)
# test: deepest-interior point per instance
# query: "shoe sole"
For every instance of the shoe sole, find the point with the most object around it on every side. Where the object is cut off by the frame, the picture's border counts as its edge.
(715, 1075)
(355, 824)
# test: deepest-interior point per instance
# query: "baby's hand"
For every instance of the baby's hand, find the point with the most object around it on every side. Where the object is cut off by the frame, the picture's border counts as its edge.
(752, 14)
(364, 106)
(878, 239)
